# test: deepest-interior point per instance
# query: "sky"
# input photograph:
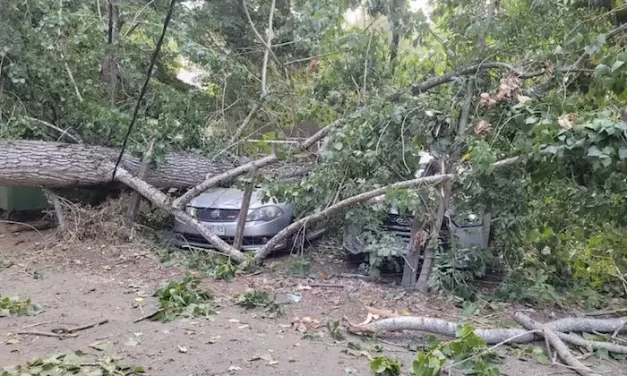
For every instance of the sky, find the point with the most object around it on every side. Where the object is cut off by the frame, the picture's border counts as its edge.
(353, 16)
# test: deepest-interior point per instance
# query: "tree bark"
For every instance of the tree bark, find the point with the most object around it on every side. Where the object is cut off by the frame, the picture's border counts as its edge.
(133, 205)
(491, 336)
(412, 260)
(422, 284)
(53, 164)
(110, 71)
(395, 12)
(558, 345)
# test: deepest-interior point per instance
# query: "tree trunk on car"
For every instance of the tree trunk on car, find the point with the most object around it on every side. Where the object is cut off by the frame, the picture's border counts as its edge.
(52, 164)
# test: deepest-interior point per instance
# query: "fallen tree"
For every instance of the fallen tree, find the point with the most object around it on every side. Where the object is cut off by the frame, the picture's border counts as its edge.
(50, 164)
(557, 332)
(54, 164)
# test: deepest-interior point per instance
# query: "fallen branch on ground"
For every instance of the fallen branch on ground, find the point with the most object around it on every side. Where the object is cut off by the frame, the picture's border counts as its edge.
(558, 345)
(491, 336)
(148, 316)
(64, 331)
(556, 333)
(46, 334)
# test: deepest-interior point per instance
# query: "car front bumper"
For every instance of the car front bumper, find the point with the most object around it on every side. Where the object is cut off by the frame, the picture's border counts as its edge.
(256, 234)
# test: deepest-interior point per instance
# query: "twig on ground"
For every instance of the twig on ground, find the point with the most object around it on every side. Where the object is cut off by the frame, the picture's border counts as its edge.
(36, 324)
(31, 227)
(148, 316)
(326, 285)
(359, 276)
(46, 334)
(606, 312)
(65, 331)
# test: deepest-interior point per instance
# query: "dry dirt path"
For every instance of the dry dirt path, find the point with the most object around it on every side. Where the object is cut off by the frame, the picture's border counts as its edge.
(91, 284)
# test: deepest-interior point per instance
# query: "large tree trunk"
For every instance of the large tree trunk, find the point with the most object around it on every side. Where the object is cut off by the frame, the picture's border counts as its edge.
(52, 164)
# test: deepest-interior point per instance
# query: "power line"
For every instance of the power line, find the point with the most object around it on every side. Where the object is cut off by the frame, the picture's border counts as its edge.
(153, 60)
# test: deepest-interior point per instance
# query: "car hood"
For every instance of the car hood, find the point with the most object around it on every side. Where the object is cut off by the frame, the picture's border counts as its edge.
(227, 198)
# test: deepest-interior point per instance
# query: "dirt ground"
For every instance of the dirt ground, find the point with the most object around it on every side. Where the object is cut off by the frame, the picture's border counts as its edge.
(90, 282)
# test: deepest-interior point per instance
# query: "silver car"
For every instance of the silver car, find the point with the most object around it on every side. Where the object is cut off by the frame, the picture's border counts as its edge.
(218, 209)
(467, 230)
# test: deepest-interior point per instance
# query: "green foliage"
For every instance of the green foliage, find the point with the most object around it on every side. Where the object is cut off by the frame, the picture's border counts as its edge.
(334, 329)
(72, 364)
(212, 264)
(253, 299)
(224, 269)
(536, 353)
(183, 299)
(298, 266)
(13, 306)
(384, 366)
(467, 352)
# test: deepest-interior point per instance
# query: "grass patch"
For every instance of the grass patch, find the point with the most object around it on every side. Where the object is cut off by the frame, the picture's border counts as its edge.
(183, 299)
(72, 364)
(13, 306)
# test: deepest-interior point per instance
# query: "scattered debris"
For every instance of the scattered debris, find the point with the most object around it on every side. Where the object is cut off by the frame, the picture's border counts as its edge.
(233, 368)
(71, 364)
(13, 306)
(567, 121)
(182, 299)
(66, 331)
(252, 299)
(302, 325)
(483, 128)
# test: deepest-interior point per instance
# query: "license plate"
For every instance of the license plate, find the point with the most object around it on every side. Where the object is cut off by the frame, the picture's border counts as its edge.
(217, 229)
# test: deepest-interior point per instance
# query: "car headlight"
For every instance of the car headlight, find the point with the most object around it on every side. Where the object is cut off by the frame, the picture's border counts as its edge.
(192, 211)
(265, 213)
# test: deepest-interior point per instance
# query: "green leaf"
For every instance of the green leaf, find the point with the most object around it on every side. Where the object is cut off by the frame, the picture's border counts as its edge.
(617, 64)
(338, 146)
(601, 70)
(622, 152)
(551, 149)
(531, 120)
(594, 151)
(602, 354)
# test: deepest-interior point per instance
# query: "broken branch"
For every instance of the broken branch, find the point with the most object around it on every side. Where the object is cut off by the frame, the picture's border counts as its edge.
(63, 331)
(491, 336)
(560, 347)
(46, 334)
(159, 199)
(148, 316)
(358, 199)
(226, 176)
